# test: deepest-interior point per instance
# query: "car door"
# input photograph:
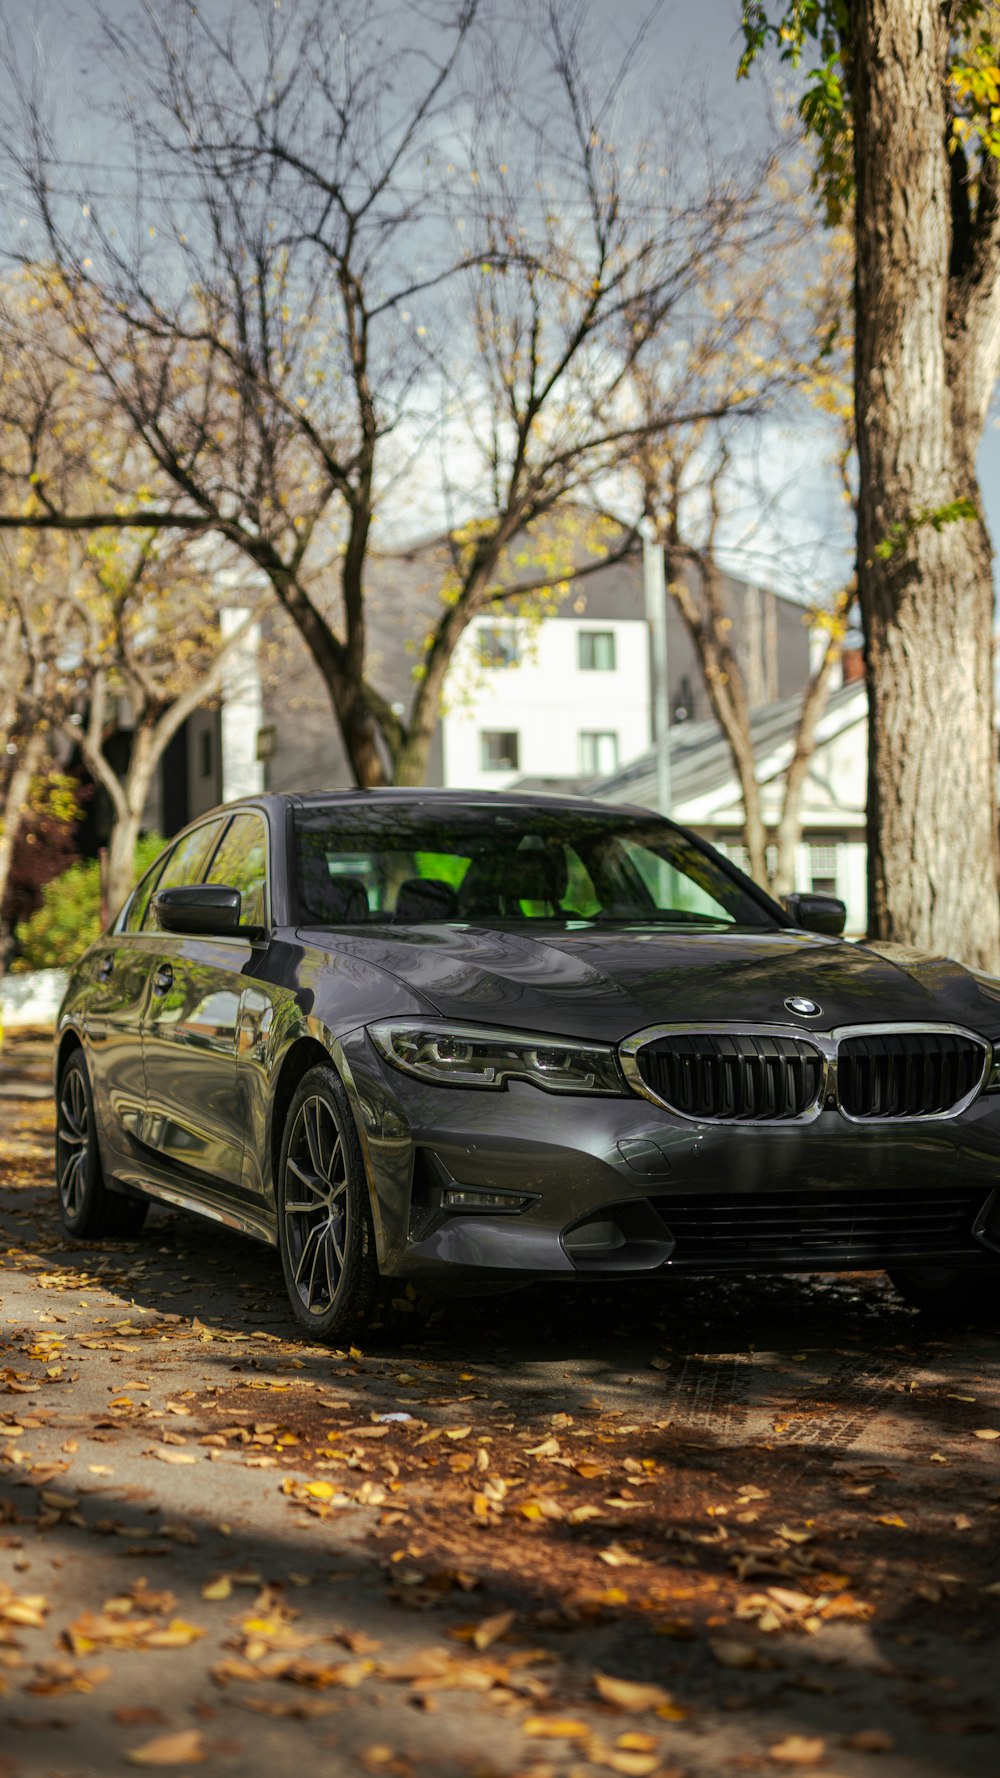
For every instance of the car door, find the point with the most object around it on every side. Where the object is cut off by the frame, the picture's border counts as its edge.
(242, 862)
(189, 1025)
(120, 967)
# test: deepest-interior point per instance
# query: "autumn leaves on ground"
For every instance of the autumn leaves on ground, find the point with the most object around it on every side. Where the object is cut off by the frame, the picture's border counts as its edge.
(735, 1527)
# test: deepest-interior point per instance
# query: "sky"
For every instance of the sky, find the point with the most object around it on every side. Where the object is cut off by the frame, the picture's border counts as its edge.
(692, 47)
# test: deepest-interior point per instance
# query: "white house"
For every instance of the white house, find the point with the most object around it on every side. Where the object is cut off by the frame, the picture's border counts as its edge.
(568, 697)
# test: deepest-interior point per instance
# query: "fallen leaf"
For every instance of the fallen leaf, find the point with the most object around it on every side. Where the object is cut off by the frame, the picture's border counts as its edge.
(555, 1728)
(798, 1750)
(870, 1741)
(729, 1652)
(986, 1432)
(617, 1557)
(549, 1447)
(186, 1748)
(628, 1764)
(630, 1694)
(491, 1628)
(218, 1589)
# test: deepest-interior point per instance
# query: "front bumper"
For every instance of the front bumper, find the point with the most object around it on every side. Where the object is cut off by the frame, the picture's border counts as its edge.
(617, 1186)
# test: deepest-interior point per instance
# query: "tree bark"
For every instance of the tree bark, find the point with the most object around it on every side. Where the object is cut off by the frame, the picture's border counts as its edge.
(922, 362)
(726, 694)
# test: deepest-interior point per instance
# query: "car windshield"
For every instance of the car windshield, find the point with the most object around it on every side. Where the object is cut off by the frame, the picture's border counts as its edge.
(477, 864)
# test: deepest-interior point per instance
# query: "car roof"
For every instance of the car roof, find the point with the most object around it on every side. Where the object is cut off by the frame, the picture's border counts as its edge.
(391, 793)
(273, 801)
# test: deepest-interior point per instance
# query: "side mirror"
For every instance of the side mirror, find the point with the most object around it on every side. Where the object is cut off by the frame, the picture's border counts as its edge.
(817, 913)
(206, 910)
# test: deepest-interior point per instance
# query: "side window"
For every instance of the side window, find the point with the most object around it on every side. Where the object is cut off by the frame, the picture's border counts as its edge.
(241, 863)
(140, 899)
(185, 865)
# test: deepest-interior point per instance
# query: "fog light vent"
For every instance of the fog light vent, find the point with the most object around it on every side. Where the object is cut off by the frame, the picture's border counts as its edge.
(461, 1197)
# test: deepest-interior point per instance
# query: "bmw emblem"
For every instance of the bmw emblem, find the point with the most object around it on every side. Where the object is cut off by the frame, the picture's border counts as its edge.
(807, 1009)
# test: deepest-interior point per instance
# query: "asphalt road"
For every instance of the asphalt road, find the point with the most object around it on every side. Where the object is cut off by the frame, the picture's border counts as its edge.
(720, 1527)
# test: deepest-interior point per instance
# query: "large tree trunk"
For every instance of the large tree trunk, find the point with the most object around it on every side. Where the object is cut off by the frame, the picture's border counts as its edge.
(927, 599)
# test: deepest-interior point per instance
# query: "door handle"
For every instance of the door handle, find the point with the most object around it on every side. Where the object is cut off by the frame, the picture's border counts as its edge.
(105, 967)
(162, 979)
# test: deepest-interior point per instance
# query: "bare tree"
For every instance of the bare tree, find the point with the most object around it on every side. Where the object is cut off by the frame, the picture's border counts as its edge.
(690, 477)
(121, 621)
(329, 294)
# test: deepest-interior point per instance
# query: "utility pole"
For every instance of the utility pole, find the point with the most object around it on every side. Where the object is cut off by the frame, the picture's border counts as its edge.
(655, 587)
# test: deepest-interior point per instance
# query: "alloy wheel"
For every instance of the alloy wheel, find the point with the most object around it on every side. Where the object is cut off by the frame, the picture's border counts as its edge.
(74, 1141)
(316, 1206)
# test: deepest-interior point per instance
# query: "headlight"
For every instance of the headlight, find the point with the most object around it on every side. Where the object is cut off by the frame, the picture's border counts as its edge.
(993, 1076)
(469, 1056)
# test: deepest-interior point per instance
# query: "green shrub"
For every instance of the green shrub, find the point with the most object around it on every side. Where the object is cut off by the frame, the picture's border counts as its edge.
(69, 918)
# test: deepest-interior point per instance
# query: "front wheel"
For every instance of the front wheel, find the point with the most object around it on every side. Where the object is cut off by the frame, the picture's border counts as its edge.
(86, 1206)
(949, 1293)
(326, 1235)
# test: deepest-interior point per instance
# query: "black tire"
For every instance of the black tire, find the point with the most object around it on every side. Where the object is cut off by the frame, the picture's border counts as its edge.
(326, 1235)
(87, 1208)
(950, 1293)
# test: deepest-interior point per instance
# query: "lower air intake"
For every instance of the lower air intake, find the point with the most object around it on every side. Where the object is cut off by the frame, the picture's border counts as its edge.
(838, 1227)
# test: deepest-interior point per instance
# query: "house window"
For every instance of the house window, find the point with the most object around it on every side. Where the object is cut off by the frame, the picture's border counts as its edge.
(499, 645)
(738, 853)
(823, 867)
(499, 750)
(596, 651)
(598, 751)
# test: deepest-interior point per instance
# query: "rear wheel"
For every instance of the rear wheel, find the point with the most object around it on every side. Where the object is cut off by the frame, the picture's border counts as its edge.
(949, 1293)
(86, 1206)
(326, 1234)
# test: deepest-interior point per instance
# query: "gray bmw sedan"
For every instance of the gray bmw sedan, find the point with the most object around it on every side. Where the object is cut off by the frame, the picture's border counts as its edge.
(489, 1039)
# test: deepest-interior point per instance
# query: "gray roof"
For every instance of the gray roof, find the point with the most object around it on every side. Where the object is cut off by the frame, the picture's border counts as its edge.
(700, 761)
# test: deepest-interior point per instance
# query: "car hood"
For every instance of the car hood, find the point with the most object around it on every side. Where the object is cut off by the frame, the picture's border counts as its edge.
(606, 984)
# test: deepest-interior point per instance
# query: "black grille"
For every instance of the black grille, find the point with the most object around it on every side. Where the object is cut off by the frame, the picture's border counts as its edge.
(720, 1075)
(906, 1073)
(850, 1227)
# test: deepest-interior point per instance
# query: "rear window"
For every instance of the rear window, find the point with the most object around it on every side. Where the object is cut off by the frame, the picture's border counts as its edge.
(475, 864)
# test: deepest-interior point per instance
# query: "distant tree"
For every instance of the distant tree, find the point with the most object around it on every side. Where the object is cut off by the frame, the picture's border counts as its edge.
(36, 809)
(903, 103)
(68, 916)
(785, 332)
(144, 620)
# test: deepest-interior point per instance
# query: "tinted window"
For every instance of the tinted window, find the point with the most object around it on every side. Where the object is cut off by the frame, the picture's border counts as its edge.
(480, 864)
(185, 864)
(140, 899)
(241, 863)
